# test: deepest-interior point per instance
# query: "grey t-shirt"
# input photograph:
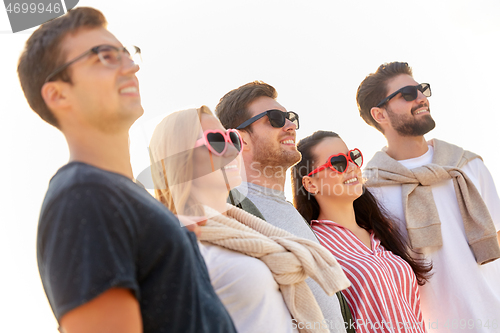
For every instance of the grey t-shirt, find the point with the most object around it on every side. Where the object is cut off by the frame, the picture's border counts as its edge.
(281, 213)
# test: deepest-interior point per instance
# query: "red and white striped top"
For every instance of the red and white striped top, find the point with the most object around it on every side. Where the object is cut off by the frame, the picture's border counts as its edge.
(384, 294)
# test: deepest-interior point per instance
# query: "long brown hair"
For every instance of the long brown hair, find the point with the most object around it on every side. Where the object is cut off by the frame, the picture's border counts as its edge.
(370, 215)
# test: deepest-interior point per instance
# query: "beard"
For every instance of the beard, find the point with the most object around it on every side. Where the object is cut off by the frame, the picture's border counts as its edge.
(266, 154)
(408, 125)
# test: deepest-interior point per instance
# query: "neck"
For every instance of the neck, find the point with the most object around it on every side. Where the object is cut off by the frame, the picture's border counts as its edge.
(212, 198)
(341, 212)
(107, 151)
(267, 176)
(405, 147)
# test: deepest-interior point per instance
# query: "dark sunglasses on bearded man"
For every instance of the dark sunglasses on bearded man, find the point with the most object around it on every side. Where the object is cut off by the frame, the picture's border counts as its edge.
(409, 93)
(277, 118)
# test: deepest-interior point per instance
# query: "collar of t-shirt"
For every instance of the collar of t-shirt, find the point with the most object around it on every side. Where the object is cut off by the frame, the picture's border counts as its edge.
(264, 191)
(416, 162)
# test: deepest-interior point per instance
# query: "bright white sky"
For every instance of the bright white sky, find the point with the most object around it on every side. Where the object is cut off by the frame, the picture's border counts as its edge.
(315, 53)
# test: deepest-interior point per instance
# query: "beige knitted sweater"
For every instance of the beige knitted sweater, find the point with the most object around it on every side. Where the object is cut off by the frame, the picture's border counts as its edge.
(422, 219)
(289, 258)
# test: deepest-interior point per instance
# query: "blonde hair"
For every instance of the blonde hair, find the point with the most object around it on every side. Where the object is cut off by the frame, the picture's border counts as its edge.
(171, 153)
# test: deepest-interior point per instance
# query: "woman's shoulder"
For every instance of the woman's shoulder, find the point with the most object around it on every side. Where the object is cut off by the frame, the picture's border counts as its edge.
(232, 264)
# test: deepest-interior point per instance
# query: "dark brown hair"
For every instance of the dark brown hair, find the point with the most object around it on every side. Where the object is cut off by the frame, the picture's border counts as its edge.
(306, 204)
(232, 109)
(370, 215)
(373, 89)
(42, 54)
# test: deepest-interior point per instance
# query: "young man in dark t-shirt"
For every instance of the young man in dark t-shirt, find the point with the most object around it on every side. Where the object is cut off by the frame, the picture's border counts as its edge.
(111, 258)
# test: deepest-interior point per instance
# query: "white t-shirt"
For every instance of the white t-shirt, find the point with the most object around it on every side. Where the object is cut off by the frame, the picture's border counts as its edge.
(248, 290)
(461, 295)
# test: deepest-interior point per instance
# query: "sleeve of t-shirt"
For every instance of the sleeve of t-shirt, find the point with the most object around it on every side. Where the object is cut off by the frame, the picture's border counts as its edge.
(86, 245)
(486, 187)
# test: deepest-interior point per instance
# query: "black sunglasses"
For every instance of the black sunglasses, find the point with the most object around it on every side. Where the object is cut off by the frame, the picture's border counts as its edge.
(277, 118)
(409, 93)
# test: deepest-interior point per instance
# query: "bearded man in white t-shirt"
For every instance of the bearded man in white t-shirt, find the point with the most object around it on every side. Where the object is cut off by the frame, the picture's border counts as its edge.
(443, 198)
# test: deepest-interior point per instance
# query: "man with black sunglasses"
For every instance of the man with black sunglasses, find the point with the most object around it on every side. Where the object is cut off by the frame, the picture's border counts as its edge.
(110, 256)
(443, 198)
(269, 150)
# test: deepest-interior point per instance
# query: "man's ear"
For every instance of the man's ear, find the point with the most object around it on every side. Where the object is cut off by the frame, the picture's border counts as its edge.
(309, 185)
(55, 95)
(246, 140)
(379, 115)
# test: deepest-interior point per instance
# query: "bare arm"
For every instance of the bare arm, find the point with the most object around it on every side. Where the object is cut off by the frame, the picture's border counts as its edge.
(114, 311)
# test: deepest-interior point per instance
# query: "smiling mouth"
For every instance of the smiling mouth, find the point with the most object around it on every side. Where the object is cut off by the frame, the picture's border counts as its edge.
(421, 111)
(350, 181)
(290, 141)
(231, 166)
(129, 90)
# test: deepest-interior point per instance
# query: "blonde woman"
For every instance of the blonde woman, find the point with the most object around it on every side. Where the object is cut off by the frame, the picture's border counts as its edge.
(257, 270)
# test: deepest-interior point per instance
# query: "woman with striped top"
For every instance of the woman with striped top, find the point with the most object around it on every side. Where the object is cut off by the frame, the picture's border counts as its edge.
(328, 191)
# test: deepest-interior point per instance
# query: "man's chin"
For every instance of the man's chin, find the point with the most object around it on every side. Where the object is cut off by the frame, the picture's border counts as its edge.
(291, 158)
(417, 129)
(428, 126)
